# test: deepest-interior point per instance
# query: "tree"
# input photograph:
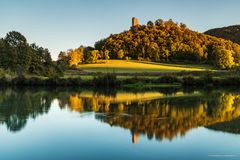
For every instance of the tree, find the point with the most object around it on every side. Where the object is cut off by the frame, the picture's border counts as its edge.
(120, 54)
(47, 57)
(36, 66)
(150, 24)
(63, 60)
(20, 49)
(236, 54)
(159, 22)
(7, 57)
(93, 56)
(224, 59)
(41, 62)
(15, 39)
(106, 55)
(183, 26)
(62, 56)
(76, 56)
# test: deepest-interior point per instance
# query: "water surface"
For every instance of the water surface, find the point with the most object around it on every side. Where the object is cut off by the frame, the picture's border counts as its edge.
(90, 124)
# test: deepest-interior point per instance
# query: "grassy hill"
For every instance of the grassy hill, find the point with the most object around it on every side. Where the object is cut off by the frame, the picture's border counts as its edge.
(230, 33)
(123, 66)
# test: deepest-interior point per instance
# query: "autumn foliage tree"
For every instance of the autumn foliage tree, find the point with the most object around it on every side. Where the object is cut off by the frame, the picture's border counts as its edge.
(223, 58)
(82, 55)
(76, 56)
(93, 56)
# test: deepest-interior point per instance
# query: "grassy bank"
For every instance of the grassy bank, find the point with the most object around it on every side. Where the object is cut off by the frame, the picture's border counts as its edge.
(129, 69)
(112, 81)
(131, 74)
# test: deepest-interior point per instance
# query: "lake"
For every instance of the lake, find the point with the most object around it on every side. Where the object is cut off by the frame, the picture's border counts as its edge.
(75, 123)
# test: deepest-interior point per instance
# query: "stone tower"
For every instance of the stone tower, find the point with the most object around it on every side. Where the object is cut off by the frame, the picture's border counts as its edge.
(134, 138)
(134, 22)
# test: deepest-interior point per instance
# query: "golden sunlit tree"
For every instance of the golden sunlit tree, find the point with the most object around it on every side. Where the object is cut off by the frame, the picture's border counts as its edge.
(76, 56)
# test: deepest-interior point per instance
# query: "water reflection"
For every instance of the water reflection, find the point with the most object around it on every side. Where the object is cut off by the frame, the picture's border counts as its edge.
(156, 114)
(17, 106)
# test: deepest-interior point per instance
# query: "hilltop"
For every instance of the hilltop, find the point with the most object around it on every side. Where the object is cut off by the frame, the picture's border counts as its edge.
(167, 41)
(229, 33)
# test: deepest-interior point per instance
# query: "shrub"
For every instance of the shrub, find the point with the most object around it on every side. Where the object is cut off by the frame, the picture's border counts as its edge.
(4, 81)
(107, 80)
(73, 81)
(35, 81)
(136, 79)
(234, 81)
(168, 79)
(191, 81)
(52, 81)
(207, 79)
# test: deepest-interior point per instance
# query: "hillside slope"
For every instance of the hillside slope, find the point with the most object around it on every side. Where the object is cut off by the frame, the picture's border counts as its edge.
(121, 66)
(229, 33)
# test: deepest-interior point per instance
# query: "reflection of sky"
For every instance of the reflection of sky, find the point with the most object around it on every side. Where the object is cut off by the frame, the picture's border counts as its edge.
(63, 24)
(62, 134)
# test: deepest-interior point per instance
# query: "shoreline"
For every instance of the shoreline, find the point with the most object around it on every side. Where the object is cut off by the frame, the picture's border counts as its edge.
(112, 80)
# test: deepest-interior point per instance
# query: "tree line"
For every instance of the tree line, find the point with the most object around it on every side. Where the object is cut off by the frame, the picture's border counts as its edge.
(20, 57)
(162, 41)
(81, 55)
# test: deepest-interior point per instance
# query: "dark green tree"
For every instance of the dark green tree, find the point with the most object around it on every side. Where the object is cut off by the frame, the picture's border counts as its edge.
(19, 48)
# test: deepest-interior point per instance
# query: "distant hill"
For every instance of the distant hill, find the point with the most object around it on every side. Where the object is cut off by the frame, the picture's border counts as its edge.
(230, 33)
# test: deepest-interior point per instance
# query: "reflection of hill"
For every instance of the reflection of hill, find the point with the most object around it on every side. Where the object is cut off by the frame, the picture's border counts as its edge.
(161, 118)
(128, 97)
(154, 114)
(232, 126)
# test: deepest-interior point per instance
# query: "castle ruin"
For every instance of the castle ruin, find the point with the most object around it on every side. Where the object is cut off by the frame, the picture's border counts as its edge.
(134, 22)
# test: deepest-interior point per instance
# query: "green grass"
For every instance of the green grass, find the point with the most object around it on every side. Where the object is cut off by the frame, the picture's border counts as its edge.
(147, 70)
(122, 66)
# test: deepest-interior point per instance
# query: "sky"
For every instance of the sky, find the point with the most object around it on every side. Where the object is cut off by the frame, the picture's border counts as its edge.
(60, 25)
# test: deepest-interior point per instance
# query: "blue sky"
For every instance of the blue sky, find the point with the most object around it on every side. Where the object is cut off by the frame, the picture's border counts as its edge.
(64, 24)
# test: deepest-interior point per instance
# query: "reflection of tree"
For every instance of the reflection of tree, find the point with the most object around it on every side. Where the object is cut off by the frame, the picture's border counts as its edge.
(17, 106)
(162, 118)
(157, 115)
(232, 126)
